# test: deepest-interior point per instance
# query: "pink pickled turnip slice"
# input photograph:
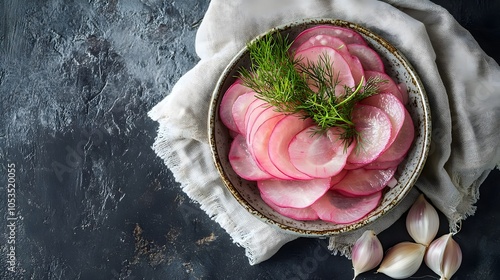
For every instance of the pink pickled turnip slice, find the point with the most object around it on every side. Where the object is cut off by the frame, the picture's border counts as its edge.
(351, 166)
(325, 41)
(394, 109)
(360, 182)
(254, 109)
(374, 131)
(293, 193)
(316, 55)
(300, 214)
(348, 36)
(280, 139)
(356, 67)
(403, 141)
(368, 57)
(388, 87)
(337, 178)
(255, 121)
(341, 209)
(242, 163)
(377, 164)
(259, 148)
(227, 102)
(239, 110)
(319, 155)
(354, 63)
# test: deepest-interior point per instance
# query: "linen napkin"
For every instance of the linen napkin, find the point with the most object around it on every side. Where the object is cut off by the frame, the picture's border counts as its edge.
(461, 81)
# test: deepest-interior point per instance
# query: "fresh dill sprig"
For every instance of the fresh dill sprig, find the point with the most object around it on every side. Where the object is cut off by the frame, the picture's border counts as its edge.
(272, 74)
(311, 89)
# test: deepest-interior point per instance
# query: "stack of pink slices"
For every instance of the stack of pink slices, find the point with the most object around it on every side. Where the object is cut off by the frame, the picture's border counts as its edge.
(309, 177)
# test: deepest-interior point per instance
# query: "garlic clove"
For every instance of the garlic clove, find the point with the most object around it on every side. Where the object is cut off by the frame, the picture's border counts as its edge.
(422, 221)
(444, 256)
(367, 253)
(402, 260)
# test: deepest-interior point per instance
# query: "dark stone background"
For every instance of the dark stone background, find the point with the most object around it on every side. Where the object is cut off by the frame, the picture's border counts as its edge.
(92, 199)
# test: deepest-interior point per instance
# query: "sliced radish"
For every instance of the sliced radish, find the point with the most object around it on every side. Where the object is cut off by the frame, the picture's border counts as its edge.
(319, 155)
(393, 107)
(374, 130)
(354, 63)
(356, 68)
(360, 182)
(325, 41)
(346, 35)
(317, 55)
(300, 214)
(242, 163)
(259, 148)
(368, 57)
(337, 178)
(341, 209)
(226, 104)
(294, 193)
(403, 141)
(253, 110)
(258, 117)
(378, 164)
(351, 166)
(280, 139)
(239, 110)
(388, 87)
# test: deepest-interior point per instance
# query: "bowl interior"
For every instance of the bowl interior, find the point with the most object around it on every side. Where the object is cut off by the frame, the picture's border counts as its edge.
(246, 192)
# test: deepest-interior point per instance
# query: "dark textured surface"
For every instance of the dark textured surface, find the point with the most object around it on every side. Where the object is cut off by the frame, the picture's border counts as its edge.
(92, 200)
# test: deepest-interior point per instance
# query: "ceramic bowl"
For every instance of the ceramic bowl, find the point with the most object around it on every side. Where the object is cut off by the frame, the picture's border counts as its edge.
(247, 193)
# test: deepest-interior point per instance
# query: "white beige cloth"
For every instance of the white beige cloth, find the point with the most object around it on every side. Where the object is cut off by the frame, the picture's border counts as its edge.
(462, 83)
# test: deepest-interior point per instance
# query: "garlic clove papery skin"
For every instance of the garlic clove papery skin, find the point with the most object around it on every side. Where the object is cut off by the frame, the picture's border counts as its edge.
(402, 260)
(367, 253)
(444, 256)
(422, 221)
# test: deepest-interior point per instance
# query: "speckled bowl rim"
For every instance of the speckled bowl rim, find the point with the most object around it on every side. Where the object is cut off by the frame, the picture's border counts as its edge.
(377, 213)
